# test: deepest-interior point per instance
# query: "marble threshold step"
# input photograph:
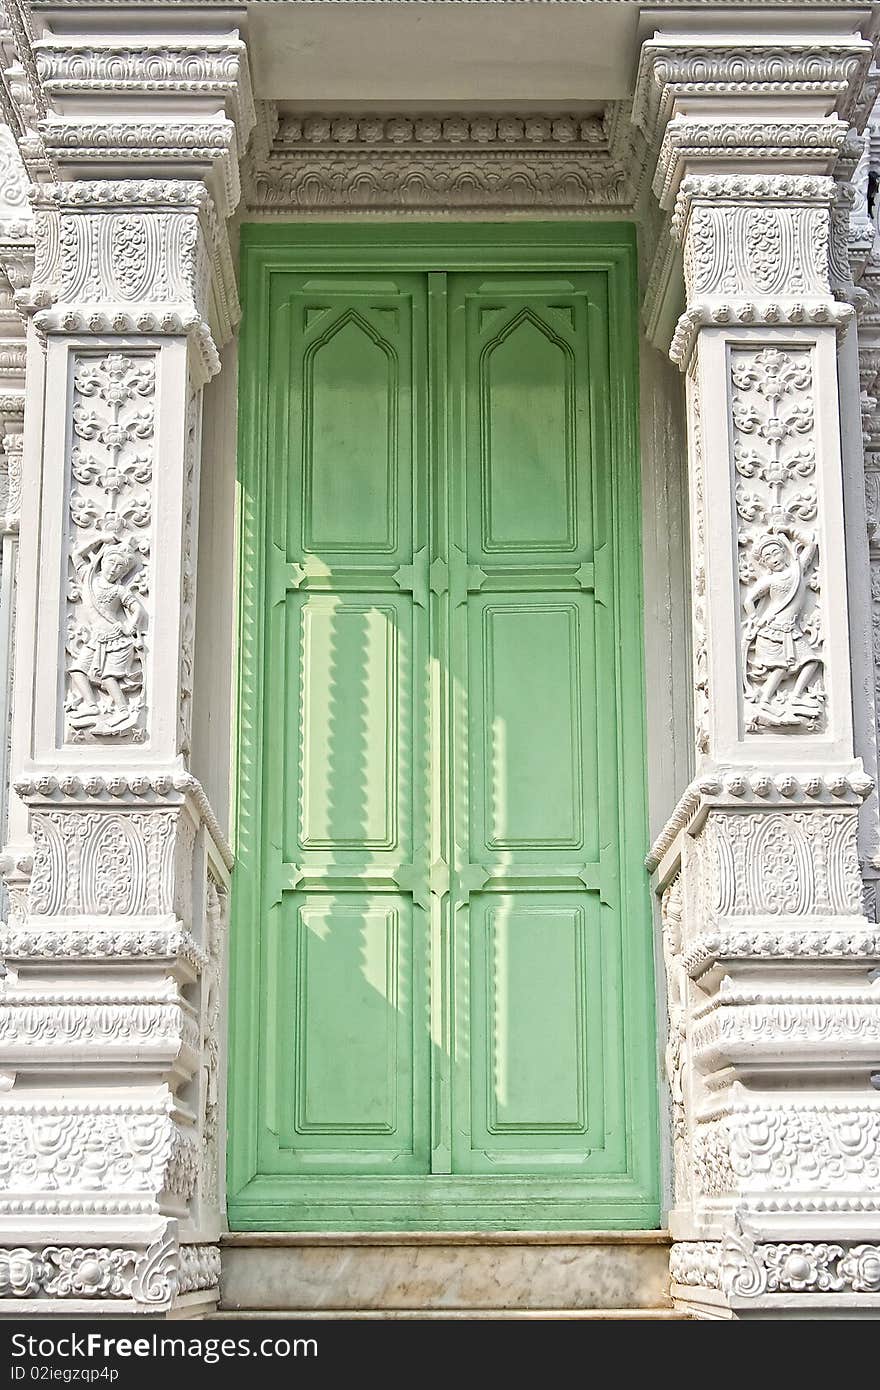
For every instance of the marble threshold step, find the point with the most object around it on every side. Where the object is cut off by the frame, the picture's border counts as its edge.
(443, 1274)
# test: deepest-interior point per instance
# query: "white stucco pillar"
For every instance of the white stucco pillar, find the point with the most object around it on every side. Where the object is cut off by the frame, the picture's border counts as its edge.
(110, 1133)
(774, 1008)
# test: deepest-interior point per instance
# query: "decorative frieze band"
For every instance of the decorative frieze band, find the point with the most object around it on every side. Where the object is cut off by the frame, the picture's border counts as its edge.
(746, 1268)
(742, 1025)
(797, 1147)
(150, 1277)
(23, 941)
(125, 1149)
(137, 1026)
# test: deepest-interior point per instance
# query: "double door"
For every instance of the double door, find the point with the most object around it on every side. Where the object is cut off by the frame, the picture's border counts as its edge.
(453, 992)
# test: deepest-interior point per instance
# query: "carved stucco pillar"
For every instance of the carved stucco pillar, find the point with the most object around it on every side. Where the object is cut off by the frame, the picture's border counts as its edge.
(111, 1193)
(865, 254)
(774, 1004)
(16, 261)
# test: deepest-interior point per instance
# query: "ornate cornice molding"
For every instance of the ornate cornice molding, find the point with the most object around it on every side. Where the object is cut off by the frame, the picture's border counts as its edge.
(451, 162)
(811, 147)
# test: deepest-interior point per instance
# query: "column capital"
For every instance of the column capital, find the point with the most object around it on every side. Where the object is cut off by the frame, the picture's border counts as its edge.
(747, 130)
(134, 142)
(731, 77)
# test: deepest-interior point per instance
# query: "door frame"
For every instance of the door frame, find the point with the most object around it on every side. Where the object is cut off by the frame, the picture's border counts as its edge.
(628, 1200)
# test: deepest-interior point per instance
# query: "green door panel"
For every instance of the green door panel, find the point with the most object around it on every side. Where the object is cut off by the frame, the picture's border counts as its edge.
(538, 1068)
(442, 980)
(343, 1081)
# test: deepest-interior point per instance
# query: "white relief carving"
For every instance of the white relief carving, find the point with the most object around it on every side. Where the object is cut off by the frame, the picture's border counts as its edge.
(130, 258)
(765, 250)
(751, 1025)
(111, 514)
(216, 904)
(702, 691)
(13, 179)
(188, 578)
(20, 939)
(114, 1147)
(739, 786)
(152, 788)
(677, 1054)
(148, 1277)
(460, 161)
(103, 863)
(10, 482)
(807, 1148)
(157, 67)
(781, 863)
(499, 179)
(776, 951)
(29, 1017)
(730, 67)
(198, 1268)
(747, 1268)
(800, 941)
(774, 456)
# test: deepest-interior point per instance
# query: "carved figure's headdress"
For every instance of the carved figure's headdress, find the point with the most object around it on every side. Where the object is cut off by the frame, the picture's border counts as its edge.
(770, 540)
(124, 551)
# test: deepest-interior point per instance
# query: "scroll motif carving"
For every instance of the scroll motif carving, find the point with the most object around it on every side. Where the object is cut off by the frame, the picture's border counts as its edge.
(105, 1272)
(775, 461)
(749, 1269)
(109, 547)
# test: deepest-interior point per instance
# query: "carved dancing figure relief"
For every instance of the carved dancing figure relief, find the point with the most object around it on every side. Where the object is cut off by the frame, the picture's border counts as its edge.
(781, 654)
(774, 456)
(105, 643)
(109, 547)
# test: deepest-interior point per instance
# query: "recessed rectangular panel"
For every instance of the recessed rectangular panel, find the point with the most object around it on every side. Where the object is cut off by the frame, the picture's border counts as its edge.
(526, 700)
(347, 1021)
(536, 1029)
(528, 471)
(522, 358)
(534, 961)
(351, 424)
(342, 990)
(351, 719)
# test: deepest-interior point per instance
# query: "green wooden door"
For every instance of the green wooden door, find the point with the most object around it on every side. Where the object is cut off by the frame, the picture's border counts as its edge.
(448, 1020)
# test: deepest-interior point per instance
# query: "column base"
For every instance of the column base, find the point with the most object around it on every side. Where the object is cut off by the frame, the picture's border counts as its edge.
(161, 1280)
(739, 1277)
